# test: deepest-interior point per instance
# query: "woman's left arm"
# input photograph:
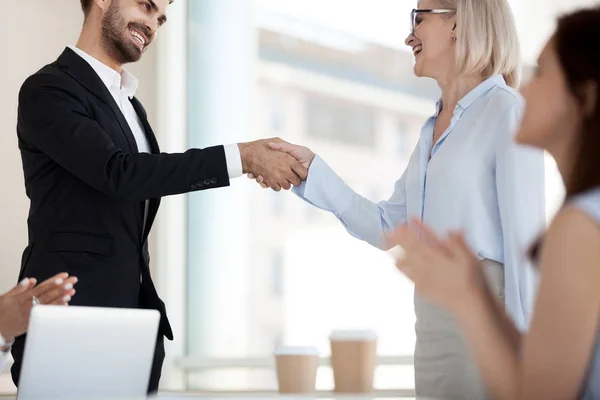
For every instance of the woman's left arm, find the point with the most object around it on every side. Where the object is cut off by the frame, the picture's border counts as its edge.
(520, 185)
(557, 350)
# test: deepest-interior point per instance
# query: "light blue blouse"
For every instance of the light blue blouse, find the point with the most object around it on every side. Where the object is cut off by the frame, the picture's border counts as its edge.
(477, 180)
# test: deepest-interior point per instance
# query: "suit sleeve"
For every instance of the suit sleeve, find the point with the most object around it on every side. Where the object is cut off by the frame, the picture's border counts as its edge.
(54, 121)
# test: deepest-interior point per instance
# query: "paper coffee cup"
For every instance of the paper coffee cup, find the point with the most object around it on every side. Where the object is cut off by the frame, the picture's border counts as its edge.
(296, 369)
(365, 335)
(353, 360)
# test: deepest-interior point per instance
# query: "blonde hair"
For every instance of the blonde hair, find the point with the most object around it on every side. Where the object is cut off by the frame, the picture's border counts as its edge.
(486, 39)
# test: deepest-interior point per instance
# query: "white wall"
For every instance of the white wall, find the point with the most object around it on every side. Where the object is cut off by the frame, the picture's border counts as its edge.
(536, 20)
(34, 33)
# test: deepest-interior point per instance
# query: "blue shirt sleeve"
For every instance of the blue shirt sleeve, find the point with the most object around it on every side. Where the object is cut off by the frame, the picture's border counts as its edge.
(361, 217)
(520, 182)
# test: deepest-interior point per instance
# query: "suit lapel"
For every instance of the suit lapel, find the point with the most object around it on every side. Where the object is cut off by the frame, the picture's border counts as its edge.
(83, 73)
(154, 149)
(137, 106)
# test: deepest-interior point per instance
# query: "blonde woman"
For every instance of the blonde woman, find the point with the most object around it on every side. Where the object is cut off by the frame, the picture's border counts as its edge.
(470, 48)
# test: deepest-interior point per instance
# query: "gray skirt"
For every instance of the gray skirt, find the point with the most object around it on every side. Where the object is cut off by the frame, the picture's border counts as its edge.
(444, 367)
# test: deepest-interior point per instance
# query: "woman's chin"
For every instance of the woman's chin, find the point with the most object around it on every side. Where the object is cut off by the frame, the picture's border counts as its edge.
(418, 70)
(524, 138)
(519, 139)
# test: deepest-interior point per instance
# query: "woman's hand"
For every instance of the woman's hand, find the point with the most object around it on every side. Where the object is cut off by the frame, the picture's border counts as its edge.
(302, 154)
(445, 272)
(15, 305)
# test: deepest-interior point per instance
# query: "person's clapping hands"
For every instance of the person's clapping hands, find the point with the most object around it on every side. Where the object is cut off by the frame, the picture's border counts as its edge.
(15, 305)
(444, 270)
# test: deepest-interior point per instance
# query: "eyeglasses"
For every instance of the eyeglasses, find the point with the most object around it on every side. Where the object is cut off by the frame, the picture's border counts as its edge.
(414, 15)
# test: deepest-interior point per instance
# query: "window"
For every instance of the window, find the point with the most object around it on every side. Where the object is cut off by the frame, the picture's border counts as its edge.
(275, 269)
(277, 273)
(310, 212)
(340, 121)
(401, 136)
(276, 203)
(373, 194)
(275, 112)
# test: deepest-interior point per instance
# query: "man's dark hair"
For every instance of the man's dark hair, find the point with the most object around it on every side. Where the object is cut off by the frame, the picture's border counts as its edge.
(87, 4)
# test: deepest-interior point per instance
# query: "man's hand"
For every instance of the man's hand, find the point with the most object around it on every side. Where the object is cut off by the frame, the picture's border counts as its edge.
(302, 154)
(278, 169)
(15, 305)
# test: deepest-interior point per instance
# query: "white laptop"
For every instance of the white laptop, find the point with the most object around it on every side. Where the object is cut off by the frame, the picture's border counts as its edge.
(82, 353)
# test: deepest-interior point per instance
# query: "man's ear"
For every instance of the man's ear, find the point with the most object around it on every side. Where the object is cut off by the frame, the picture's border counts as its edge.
(103, 5)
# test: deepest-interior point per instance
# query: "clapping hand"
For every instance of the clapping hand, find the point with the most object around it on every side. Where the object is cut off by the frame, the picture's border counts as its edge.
(15, 305)
(445, 271)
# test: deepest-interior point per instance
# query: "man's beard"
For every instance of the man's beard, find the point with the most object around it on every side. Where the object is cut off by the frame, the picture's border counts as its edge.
(116, 38)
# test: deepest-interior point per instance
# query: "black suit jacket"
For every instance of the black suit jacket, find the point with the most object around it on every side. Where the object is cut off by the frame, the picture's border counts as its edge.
(87, 185)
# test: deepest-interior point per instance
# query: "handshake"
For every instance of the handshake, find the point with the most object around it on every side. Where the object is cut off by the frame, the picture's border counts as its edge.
(275, 163)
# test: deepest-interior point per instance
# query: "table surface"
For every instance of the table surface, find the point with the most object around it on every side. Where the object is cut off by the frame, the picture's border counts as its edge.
(273, 396)
(196, 397)
(191, 396)
(276, 396)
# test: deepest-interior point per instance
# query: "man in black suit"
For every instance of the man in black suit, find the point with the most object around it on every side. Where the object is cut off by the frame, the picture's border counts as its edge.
(94, 173)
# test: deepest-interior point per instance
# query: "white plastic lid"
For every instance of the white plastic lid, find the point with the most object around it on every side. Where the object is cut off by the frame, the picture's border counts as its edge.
(296, 351)
(353, 334)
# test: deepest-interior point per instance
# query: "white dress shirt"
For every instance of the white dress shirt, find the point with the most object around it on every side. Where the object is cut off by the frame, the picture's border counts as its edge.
(4, 349)
(122, 87)
(474, 179)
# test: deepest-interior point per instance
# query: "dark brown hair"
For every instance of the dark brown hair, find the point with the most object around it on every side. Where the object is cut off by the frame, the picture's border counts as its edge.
(87, 4)
(577, 44)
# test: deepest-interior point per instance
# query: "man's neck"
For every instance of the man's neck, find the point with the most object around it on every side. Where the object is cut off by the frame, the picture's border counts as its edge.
(90, 41)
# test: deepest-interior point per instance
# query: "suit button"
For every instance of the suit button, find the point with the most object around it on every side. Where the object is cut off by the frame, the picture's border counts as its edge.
(213, 181)
(194, 186)
(207, 181)
(200, 184)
